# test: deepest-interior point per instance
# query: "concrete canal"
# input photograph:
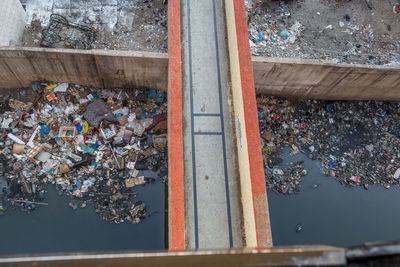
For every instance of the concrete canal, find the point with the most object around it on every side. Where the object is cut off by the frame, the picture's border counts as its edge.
(330, 213)
(58, 228)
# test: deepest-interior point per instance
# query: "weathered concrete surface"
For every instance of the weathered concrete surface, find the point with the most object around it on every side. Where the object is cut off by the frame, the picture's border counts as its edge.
(256, 222)
(12, 22)
(97, 68)
(212, 198)
(280, 256)
(274, 76)
(325, 80)
(176, 209)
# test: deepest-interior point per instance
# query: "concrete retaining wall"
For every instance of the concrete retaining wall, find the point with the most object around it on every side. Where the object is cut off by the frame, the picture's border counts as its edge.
(304, 78)
(97, 68)
(285, 77)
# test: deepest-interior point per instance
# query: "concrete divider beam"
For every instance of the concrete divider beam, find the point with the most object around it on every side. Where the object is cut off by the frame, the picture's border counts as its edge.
(257, 230)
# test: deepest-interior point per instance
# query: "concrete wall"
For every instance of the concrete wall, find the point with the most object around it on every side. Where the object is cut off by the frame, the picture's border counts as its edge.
(97, 68)
(286, 77)
(12, 22)
(304, 78)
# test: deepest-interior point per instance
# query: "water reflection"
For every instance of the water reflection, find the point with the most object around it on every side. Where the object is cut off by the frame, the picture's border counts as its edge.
(58, 228)
(332, 214)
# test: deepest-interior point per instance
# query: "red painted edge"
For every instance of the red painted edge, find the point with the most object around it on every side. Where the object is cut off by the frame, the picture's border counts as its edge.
(176, 215)
(258, 185)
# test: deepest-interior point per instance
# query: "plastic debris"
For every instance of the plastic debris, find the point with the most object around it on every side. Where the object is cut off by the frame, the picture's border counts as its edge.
(61, 87)
(72, 34)
(285, 34)
(396, 175)
(289, 30)
(354, 179)
(83, 148)
(97, 112)
(359, 147)
(396, 9)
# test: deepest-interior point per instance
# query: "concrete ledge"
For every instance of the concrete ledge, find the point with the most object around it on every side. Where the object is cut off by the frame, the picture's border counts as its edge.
(19, 66)
(287, 77)
(176, 200)
(283, 256)
(315, 79)
(256, 223)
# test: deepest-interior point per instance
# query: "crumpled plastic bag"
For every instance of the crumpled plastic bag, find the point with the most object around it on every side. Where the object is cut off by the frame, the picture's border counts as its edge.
(99, 111)
(140, 126)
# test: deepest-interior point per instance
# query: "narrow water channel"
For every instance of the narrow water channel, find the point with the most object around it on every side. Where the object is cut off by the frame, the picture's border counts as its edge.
(332, 214)
(58, 228)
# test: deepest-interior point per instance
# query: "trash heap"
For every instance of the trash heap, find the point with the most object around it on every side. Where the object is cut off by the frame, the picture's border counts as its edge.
(357, 142)
(139, 25)
(91, 143)
(352, 32)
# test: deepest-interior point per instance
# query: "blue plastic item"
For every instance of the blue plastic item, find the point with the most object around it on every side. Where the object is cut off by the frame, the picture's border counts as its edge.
(328, 108)
(44, 130)
(151, 93)
(259, 38)
(95, 146)
(79, 127)
(285, 34)
(160, 97)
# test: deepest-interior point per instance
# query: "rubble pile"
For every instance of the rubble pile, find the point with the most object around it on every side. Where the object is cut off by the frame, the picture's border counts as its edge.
(118, 24)
(357, 142)
(91, 143)
(356, 32)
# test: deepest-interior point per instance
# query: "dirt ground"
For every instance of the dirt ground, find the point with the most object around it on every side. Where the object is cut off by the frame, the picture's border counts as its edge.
(350, 31)
(121, 24)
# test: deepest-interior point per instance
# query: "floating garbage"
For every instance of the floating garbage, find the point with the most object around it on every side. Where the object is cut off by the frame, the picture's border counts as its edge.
(359, 148)
(77, 139)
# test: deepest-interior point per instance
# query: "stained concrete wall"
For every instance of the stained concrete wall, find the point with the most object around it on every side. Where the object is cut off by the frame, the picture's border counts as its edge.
(97, 68)
(12, 22)
(285, 77)
(315, 79)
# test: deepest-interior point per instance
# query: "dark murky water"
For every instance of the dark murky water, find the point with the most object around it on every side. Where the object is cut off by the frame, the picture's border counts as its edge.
(332, 214)
(58, 228)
